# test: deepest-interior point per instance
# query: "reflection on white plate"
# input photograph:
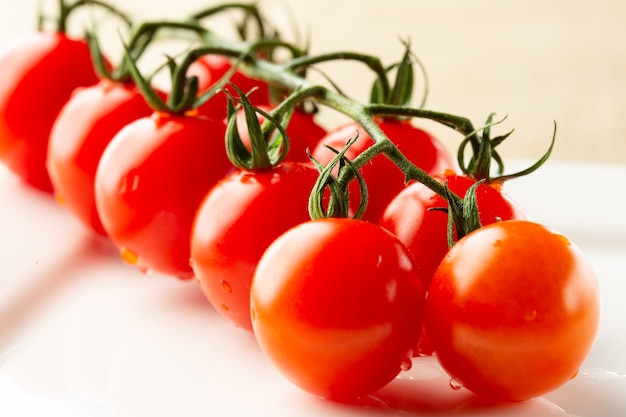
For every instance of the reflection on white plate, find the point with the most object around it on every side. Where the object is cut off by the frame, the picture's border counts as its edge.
(82, 334)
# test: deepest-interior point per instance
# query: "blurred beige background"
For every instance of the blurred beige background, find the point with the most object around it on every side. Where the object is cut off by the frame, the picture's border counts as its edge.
(535, 61)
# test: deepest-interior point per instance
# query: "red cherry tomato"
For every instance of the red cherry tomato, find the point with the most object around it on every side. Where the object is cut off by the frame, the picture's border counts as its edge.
(411, 217)
(337, 306)
(384, 180)
(38, 74)
(210, 69)
(236, 222)
(150, 181)
(304, 133)
(83, 129)
(513, 310)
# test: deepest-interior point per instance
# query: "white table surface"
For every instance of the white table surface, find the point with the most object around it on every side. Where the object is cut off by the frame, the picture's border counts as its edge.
(82, 334)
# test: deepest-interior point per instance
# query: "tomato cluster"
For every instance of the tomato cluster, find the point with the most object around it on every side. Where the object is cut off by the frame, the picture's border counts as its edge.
(348, 251)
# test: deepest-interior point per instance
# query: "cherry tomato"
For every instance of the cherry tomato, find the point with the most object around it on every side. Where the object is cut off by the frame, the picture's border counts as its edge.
(513, 310)
(83, 129)
(304, 133)
(337, 306)
(38, 74)
(150, 181)
(384, 180)
(210, 69)
(411, 217)
(236, 222)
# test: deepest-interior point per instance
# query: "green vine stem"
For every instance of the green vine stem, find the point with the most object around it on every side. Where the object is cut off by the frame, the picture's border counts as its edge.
(250, 10)
(287, 76)
(65, 10)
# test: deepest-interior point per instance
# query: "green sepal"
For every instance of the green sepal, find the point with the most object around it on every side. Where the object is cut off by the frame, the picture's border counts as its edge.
(463, 217)
(266, 148)
(339, 203)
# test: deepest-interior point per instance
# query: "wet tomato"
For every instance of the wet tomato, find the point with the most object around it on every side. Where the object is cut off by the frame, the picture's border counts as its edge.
(513, 310)
(236, 222)
(150, 181)
(411, 217)
(79, 136)
(337, 306)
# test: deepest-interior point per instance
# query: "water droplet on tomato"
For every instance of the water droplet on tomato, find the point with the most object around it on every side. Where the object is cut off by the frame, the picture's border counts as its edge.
(198, 281)
(575, 374)
(224, 307)
(406, 364)
(129, 183)
(226, 287)
(252, 314)
(455, 384)
(530, 315)
(497, 243)
(564, 239)
(59, 199)
(129, 256)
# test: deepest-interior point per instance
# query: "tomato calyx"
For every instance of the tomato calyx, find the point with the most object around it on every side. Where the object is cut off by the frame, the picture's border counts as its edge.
(338, 204)
(401, 91)
(269, 143)
(484, 153)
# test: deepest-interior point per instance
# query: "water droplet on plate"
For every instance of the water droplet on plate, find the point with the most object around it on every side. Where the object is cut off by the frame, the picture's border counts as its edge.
(406, 364)
(455, 384)
(129, 256)
(145, 270)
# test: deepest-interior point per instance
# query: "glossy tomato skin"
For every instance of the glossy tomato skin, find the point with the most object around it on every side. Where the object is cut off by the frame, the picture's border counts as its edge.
(149, 182)
(79, 136)
(337, 306)
(39, 72)
(236, 222)
(303, 131)
(384, 180)
(513, 310)
(411, 217)
(210, 69)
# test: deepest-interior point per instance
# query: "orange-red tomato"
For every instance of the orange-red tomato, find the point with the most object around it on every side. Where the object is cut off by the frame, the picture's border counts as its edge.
(82, 131)
(411, 217)
(337, 306)
(238, 219)
(513, 310)
(149, 183)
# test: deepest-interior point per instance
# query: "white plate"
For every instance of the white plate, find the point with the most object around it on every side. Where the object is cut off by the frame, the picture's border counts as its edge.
(82, 334)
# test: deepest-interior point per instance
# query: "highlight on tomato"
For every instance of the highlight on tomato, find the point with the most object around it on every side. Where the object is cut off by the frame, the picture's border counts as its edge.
(85, 126)
(39, 73)
(513, 310)
(243, 213)
(154, 174)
